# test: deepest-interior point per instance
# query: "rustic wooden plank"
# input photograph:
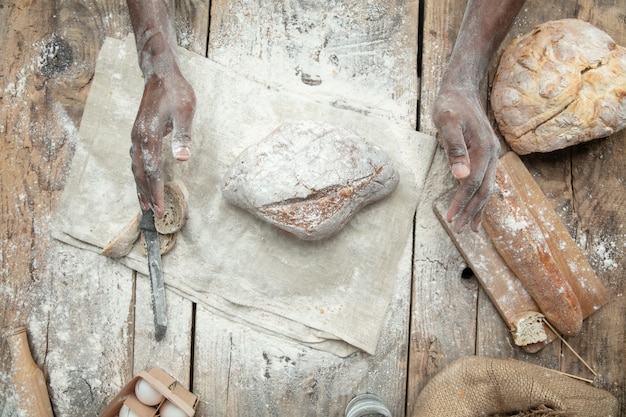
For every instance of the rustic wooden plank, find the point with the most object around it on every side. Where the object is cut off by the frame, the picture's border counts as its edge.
(443, 316)
(37, 129)
(192, 25)
(598, 175)
(173, 353)
(442, 20)
(366, 52)
(81, 302)
(240, 371)
(81, 315)
(363, 51)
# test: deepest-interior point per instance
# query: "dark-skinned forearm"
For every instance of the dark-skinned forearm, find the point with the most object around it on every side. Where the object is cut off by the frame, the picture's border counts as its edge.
(484, 26)
(155, 36)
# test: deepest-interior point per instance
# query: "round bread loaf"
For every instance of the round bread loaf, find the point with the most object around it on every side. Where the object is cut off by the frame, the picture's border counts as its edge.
(559, 85)
(309, 178)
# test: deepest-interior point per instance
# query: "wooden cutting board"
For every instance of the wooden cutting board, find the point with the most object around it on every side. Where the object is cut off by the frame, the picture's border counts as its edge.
(502, 286)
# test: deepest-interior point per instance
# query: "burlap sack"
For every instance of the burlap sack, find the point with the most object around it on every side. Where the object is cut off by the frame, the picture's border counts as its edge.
(475, 386)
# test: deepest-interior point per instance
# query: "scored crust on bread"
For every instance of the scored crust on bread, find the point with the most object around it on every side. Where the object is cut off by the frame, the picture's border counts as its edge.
(521, 243)
(309, 178)
(571, 260)
(561, 84)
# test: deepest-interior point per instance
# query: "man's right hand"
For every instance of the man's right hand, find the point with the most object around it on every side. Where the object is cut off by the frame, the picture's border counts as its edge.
(167, 106)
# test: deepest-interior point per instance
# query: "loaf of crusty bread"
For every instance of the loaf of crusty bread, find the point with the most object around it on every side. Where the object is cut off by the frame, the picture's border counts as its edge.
(559, 85)
(519, 240)
(309, 178)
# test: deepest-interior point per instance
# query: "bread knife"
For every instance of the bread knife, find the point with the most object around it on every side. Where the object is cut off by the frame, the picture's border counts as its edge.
(155, 269)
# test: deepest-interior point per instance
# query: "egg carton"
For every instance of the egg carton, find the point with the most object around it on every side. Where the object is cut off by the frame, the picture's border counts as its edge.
(161, 381)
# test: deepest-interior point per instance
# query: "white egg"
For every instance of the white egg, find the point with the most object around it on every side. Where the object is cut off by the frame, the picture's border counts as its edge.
(170, 410)
(146, 393)
(127, 412)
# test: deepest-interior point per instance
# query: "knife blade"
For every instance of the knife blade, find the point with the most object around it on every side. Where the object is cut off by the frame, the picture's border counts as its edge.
(155, 269)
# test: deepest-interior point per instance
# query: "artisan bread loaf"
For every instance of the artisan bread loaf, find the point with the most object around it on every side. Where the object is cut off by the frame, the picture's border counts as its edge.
(559, 85)
(519, 240)
(309, 178)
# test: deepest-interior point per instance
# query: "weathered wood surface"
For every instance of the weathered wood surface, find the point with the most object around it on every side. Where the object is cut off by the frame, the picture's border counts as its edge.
(75, 305)
(323, 48)
(89, 318)
(586, 187)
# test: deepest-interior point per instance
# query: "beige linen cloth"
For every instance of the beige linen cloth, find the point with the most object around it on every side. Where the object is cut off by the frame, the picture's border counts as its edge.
(332, 295)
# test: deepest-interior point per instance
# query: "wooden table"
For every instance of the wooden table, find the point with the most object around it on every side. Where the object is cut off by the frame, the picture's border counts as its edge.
(89, 318)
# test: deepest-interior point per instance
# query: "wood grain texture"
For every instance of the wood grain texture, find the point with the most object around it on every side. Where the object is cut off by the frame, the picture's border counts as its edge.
(192, 25)
(584, 185)
(356, 51)
(443, 316)
(73, 304)
(174, 351)
(88, 317)
(239, 371)
(43, 80)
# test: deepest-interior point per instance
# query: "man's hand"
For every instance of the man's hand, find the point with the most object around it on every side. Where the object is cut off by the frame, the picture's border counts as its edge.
(167, 106)
(467, 136)
(472, 149)
(168, 103)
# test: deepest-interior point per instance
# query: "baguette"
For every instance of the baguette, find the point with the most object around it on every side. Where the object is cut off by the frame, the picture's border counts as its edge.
(519, 240)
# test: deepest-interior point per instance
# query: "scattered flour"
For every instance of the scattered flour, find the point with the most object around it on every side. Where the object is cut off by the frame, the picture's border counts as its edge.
(606, 251)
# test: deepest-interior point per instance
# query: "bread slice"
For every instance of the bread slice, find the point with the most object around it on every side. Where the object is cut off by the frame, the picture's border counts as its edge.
(123, 243)
(175, 210)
